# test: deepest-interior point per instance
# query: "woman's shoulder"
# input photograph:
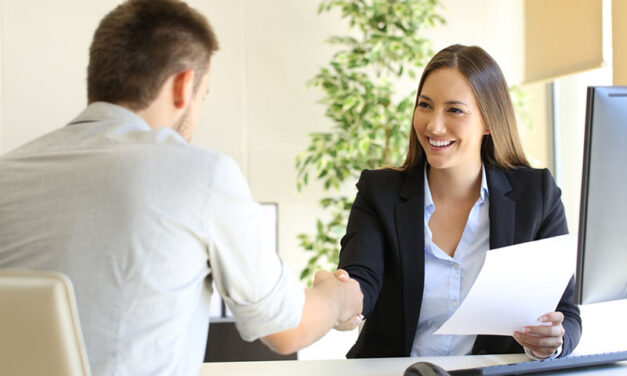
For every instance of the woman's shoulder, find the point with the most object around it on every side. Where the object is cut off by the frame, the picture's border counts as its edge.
(385, 174)
(525, 172)
(382, 179)
(529, 178)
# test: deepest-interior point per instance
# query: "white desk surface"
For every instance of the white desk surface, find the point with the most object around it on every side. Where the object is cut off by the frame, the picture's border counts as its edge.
(377, 367)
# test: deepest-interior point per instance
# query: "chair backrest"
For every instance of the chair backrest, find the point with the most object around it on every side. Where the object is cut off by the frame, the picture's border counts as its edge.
(40, 333)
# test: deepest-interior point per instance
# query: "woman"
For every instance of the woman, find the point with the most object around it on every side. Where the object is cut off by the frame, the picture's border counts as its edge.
(417, 235)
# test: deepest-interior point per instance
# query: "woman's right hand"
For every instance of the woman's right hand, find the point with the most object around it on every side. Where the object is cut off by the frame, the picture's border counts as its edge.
(354, 321)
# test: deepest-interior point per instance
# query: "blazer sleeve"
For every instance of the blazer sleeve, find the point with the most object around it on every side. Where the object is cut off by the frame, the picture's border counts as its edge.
(554, 224)
(363, 245)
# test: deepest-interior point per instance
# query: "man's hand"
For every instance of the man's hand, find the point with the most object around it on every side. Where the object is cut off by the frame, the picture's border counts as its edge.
(543, 340)
(347, 296)
(331, 300)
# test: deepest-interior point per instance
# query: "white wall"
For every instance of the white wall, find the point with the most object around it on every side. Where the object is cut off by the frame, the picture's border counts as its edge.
(44, 60)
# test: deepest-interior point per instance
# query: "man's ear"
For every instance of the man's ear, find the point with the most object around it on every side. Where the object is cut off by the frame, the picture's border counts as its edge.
(183, 88)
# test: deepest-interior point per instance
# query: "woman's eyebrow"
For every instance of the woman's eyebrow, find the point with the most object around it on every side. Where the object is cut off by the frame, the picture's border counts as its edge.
(447, 102)
(456, 102)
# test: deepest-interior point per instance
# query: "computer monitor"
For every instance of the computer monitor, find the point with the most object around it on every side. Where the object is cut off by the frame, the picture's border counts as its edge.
(602, 247)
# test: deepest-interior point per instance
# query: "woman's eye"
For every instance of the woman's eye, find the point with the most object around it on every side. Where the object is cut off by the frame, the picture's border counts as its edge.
(423, 104)
(455, 110)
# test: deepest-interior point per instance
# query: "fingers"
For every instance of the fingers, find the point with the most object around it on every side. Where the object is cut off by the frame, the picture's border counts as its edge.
(543, 340)
(347, 294)
(349, 324)
(354, 300)
(341, 275)
(545, 331)
(553, 317)
(541, 347)
(321, 276)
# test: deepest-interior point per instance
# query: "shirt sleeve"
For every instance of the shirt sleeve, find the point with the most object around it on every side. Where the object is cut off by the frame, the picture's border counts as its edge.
(257, 287)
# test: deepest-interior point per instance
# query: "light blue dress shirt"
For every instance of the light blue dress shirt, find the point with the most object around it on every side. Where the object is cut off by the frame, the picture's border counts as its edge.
(448, 279)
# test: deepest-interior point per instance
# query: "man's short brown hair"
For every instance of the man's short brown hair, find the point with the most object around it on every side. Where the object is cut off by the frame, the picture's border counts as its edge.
(141, 43)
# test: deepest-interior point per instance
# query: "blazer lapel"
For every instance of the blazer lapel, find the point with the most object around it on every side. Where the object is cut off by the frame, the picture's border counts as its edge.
(502, 209)
(409, 217)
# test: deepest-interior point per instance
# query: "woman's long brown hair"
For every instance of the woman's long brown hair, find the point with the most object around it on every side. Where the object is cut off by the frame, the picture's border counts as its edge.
(501, 148)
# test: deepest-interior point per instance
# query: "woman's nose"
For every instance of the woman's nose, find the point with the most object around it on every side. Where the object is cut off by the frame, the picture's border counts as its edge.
(436, 124)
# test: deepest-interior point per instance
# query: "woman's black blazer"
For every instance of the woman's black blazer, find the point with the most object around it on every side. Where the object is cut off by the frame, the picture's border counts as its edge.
(383, 249)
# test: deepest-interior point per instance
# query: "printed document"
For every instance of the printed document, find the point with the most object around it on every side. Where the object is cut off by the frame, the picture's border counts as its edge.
(516, 286)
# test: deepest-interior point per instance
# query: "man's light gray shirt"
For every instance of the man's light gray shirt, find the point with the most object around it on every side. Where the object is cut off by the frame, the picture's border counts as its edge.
(141, 222)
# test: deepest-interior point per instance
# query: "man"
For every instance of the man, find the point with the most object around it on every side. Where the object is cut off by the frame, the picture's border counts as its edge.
(142, 222)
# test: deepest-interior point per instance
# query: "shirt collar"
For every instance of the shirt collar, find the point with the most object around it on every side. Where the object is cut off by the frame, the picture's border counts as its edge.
(99, 111)
(428, 198)
(484, 186)
(482, 195)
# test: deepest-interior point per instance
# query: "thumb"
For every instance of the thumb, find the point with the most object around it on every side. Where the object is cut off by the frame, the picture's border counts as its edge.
(322, 275)
(341, 275)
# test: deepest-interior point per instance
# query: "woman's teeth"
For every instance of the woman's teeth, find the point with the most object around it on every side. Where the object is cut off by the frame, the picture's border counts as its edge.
(440, 144)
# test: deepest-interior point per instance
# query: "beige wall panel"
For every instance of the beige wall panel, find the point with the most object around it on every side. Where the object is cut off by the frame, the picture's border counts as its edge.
(285, 42)
(537, 138)
(494, 25)
(619, 41)
(282, 119)
(562, 37)
(45, 58)
(227, 64)
(222, 124)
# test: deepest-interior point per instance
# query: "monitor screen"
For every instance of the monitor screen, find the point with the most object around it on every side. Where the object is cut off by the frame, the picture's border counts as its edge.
(602, 247)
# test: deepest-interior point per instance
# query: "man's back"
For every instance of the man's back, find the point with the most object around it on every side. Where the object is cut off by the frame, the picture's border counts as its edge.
(138, 219)
(121, 209)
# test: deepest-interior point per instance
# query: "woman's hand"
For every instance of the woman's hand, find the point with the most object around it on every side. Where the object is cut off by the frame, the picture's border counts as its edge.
(543, 340)
(354, 321)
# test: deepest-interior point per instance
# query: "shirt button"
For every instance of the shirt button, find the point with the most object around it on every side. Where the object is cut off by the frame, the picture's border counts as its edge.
(456, 266)
(454, 303)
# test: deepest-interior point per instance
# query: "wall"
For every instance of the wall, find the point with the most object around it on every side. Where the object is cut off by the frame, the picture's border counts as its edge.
(619, 40)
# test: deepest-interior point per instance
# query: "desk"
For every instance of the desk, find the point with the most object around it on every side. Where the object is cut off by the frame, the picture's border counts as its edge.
(378, 367)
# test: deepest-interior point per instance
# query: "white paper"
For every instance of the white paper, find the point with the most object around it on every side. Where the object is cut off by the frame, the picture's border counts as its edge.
(516, 286)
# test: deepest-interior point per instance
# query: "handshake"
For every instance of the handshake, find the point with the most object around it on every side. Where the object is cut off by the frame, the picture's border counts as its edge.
(345, 294)
(334, 301)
